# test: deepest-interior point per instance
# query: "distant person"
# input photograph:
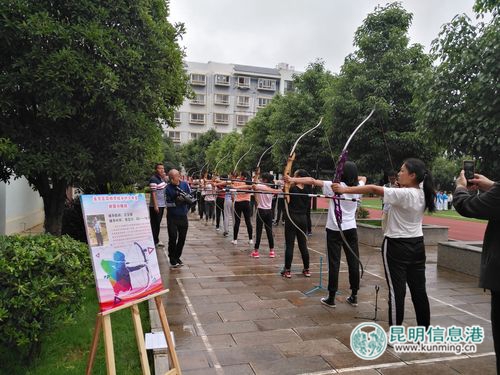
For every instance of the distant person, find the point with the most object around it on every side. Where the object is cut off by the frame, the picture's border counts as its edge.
(264, 213)
(178, 196)
(157, 186)
(444, 197)
(486, 206)
(242, 207)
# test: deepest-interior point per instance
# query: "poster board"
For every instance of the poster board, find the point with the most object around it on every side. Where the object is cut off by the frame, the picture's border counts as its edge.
(121, 247)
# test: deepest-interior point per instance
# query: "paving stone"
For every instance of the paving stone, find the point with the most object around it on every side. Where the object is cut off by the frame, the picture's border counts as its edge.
(291, 366)
(420, 369)
(266, 337)
(229, 327)
(313, 347)
(235, 316)
(270, 324)
(240, 355)
(348, 360)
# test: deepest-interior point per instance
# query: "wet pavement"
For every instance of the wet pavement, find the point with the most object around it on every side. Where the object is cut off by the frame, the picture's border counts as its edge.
(233, 314)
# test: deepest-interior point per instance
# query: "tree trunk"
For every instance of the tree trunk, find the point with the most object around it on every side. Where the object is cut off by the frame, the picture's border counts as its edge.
(53, 204)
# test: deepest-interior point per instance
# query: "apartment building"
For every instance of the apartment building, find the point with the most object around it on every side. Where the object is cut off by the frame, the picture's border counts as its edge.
(227, 96)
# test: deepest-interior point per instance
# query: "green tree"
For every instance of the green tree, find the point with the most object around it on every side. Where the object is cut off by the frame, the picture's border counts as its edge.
(83, 84)
(193, 153)
(171, 157)
(460, 101)
(445, 170)
(381, 73)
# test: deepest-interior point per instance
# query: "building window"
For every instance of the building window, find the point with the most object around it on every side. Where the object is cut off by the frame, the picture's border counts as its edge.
(221, 118)
(288, 86)
(198, 79)
(198, 99)
(197, 118)
(177, 116)
(194, 136)
(243, 101)
(174, 136)
(266, 84)
(222, 99)
(242, 119)
(221, 80)
(243, 82)
(262, 102)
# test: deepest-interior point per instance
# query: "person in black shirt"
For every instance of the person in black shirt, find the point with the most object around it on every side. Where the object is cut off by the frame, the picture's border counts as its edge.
(296, 226)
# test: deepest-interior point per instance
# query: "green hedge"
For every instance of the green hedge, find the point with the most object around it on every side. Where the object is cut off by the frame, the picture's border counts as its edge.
(42, 279)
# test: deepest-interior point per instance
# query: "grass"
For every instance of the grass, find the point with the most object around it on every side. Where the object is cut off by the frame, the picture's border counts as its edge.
(376, 203)
(65, 350)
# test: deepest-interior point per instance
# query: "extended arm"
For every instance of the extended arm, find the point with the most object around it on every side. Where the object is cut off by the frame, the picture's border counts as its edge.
(366, 189)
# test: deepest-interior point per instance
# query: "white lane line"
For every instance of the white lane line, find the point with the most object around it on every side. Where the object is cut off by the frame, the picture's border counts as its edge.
(398, 364)
(201, 330)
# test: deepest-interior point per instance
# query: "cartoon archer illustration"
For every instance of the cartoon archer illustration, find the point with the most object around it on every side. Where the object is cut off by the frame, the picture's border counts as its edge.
(118, 272)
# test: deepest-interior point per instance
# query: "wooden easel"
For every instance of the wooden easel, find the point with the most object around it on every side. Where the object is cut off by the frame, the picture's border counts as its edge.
(103, 322)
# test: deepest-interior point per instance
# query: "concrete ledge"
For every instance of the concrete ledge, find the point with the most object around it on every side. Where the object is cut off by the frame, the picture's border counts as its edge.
(460, 256)
(372, 235)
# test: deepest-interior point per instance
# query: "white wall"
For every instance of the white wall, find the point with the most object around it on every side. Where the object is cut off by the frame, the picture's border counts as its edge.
(21, 208)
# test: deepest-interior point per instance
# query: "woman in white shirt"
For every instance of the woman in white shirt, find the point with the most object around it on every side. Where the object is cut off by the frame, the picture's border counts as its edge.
(334, 242)
(403, 248)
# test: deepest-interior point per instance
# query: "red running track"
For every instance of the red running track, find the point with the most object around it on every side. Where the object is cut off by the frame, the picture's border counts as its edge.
(458, 229)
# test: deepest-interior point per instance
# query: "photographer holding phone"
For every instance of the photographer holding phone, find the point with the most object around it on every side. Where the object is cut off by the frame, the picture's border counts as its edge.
(485, 205)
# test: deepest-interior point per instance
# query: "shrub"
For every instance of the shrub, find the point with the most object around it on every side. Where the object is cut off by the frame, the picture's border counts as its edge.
(362, 213)
(42, 279)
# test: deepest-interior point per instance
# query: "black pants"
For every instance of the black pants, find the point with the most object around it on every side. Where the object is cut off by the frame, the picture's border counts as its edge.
(201, 205)
(240, 208)
(334, 244)
(155, 218)
(177, 231)
(404, 262)
(291, 231)
(209, 209)
(264, 218)
(495, 324)
(219, 210)
(281, 208)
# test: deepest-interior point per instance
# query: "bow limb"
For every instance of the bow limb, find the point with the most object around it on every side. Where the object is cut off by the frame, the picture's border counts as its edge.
(240, 159)
(286, 172)
(339, 170)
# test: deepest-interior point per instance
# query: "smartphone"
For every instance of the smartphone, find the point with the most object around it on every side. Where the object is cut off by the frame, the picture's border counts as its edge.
(469, 169)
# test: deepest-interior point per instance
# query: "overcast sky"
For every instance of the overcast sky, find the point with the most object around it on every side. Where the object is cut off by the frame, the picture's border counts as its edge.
(267, 32)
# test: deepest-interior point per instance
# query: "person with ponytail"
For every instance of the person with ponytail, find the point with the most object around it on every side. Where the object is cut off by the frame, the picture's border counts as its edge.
(334, 242)
(403, 249)
(264, 213)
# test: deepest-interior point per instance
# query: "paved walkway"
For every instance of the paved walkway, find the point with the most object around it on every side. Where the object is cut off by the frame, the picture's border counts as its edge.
(232, 314)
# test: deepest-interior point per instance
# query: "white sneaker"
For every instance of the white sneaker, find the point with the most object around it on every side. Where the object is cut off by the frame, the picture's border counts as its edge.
(234, 242)
(250, 242)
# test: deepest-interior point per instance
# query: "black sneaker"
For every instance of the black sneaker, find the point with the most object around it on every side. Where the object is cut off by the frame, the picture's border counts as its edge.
(180, 263)
(328, 301)
(352, 300)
